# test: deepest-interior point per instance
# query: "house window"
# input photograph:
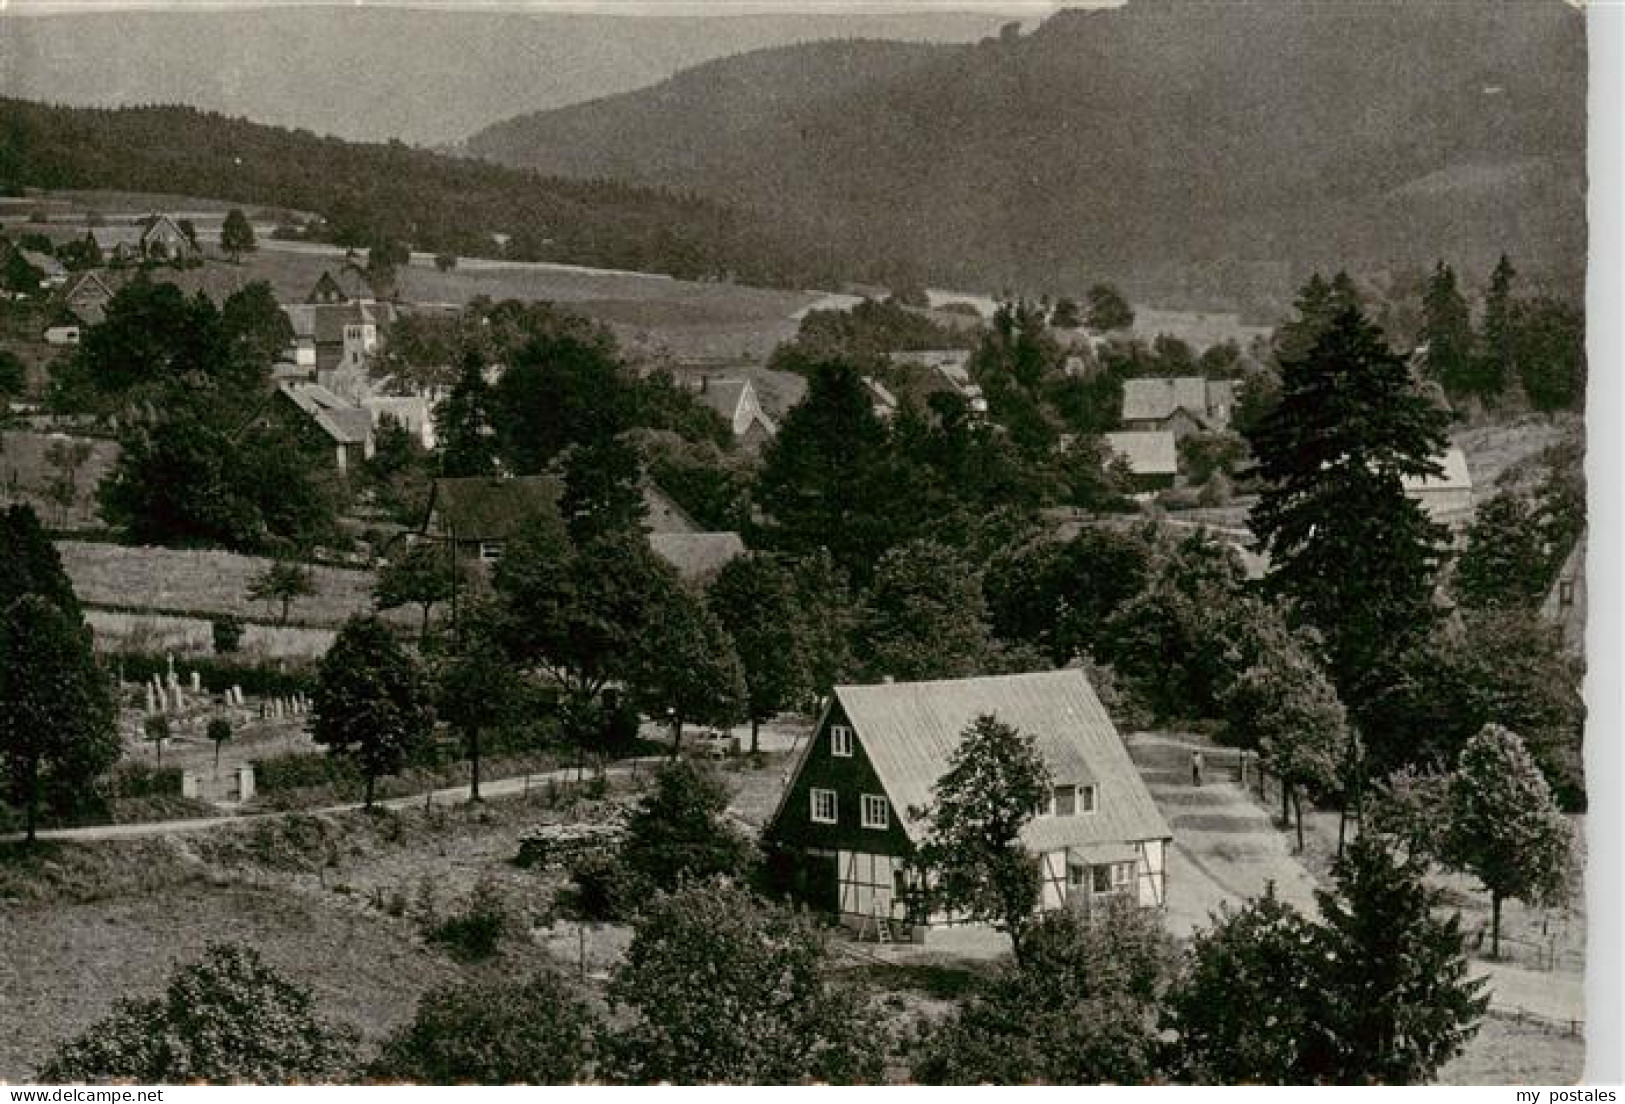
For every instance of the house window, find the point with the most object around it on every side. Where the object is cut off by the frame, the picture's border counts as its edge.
(1122, 873)
(1565, 593)
(876, 813)
(840, 741)
(1066, 800)
(1086, 799)
(1101, 876)
(823, 806)
(490, 551)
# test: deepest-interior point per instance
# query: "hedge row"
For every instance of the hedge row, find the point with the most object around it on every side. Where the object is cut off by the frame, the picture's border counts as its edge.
(219, 673)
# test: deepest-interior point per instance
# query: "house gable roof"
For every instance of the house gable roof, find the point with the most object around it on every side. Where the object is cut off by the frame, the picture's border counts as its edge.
(910, 731)
(697, 556)
(344, 422)
(1155, 398)
(1148, 452)
(491, 509)
(1456, 476)
(662, 514)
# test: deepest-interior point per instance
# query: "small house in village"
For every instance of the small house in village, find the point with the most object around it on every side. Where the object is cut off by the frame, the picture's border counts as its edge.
(349, 285)
(843, 834)
(53, 274)
(481, 514)
(1181, 405)
(1447, 497)
(85, 296)
(156, 238)
(1152, 457)
(951, 369)
(346, 425)
(736, 401)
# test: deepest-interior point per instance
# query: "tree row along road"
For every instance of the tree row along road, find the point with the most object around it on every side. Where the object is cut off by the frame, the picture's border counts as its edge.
(450, 795)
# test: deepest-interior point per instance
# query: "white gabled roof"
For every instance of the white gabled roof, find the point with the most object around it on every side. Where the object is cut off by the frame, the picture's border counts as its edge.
(1148, 451)
(910, 730)
(1455, 478)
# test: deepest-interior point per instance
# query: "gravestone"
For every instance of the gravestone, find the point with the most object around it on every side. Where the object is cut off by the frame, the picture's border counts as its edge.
(152, 700)
(197, 683)
(245, 782)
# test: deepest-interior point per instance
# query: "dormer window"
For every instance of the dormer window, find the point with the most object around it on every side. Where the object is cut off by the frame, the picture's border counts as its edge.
(840, 741)
(1069, 799)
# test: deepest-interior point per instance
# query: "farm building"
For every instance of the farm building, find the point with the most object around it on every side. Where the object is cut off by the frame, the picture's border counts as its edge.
(1448, 498)
(1152, 456)
(154, 238)
(842, 835)
(480, 515)
(1179, 405)
(347, 426)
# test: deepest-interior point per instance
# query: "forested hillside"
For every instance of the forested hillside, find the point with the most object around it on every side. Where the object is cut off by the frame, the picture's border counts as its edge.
(1172, 146)
(368, 193)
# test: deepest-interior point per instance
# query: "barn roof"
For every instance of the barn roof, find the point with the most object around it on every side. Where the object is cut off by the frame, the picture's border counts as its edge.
(697, 555)
(343, 421)
(478, 508)
(1456, 477)
(1148, 451)
(1156, 397)
(910, 730)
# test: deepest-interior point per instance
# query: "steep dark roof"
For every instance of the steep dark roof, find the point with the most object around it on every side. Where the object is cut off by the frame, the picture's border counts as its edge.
(490, 509)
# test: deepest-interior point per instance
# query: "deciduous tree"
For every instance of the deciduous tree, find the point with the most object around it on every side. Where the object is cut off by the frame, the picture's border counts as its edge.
(237, 235)
(372, 704)
(720, 988)
(1505, 826)
(494, 1031)
(754, 599)
(1079, 1008)
(58, 724)
(282, 583)
(974, 861)
(227, 1019)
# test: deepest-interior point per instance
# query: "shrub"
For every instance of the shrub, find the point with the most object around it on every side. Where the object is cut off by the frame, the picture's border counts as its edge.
(533, 1031)
(226, 1019)
(604, 888)
(219, 674)
(228, 634)
(474, 934)
(135, 779)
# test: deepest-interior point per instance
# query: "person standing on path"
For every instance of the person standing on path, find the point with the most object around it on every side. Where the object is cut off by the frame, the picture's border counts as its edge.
(1196, 768)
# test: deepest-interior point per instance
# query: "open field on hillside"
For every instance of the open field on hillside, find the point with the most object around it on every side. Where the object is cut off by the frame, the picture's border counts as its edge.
(204, 582)
(26, 475)
(1498, 448)
(122, 631)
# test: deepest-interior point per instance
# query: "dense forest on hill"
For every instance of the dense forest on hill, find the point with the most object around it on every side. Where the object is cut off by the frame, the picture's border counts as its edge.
(1210, 148)
(369, 193)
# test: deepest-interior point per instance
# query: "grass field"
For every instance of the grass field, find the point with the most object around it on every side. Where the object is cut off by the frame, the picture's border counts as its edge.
(203, 582)
(26, 475)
